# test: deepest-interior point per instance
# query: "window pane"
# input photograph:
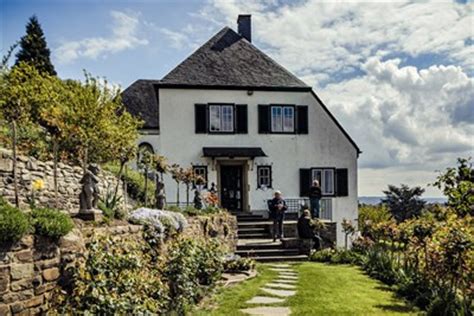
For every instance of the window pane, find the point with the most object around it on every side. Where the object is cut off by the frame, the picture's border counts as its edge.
(288, 119)
(227, 121)
(317, 174)
(329, 181)
(214, 118)
(277, 125)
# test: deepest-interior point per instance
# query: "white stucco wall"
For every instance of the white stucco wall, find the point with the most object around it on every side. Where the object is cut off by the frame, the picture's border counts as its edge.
(324, 146)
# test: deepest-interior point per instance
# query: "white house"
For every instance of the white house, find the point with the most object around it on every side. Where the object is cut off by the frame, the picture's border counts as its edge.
(248, 125)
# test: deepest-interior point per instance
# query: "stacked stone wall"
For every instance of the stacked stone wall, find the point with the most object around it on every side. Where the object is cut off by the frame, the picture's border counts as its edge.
(30, 169)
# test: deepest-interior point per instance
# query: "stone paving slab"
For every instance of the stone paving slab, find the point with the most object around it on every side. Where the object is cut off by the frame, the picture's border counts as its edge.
(282, 270)
(288, 273)
(267, 311)
(265, 300)
(280, 265)
(288, 277)
(286, 281)
(281, 293)
(282, 286)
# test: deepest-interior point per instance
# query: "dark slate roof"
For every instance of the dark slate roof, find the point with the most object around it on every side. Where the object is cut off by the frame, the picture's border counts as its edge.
(233, 152)
(228, 59)
(141, 100)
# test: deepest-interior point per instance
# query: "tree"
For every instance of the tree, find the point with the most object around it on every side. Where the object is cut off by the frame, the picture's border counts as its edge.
(19, 89)
(33, 48)
(457, 185)
(177, 174)
(404, 202)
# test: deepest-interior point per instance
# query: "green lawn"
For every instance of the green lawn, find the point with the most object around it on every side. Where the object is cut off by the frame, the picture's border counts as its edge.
(322, 290)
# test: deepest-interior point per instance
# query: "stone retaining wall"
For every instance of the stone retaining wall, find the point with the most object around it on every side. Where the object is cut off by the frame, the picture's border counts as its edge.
(32, 269)
(30, 169)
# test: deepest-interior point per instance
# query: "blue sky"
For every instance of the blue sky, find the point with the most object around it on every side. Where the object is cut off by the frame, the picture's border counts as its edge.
(398, 75)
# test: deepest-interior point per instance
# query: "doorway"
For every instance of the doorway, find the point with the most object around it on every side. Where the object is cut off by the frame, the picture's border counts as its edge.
(231, 183)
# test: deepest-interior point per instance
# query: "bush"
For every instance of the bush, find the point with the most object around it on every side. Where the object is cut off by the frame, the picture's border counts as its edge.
(336, 256)
(135, 183)
(192, 263)
(159, 224)
(116, 279)
(14, 224)
(51, 223)
(238, 264)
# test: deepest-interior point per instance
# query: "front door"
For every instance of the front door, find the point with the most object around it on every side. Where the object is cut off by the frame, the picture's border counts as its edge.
(231, 188)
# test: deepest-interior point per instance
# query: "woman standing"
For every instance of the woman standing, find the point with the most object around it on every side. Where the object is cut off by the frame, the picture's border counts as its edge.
(314, 198)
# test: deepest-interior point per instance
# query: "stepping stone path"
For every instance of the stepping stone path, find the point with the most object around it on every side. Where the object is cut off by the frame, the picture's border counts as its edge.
(278, 290)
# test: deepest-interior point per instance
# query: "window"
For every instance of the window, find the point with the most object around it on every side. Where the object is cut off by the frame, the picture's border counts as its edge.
(200, 171)
(221, 118)
(283, 119)
(264, 177)
(144, 149)
(325, 176)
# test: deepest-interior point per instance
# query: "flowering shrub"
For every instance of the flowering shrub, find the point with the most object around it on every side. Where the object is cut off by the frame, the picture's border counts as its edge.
(429, 259)
(193, 266)
(236, 263)
(116, 279)
(160, 224)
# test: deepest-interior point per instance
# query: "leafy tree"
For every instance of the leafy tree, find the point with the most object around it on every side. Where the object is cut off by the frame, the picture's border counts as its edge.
(404, 202)
(33, 48)
(19, 89)
(458, 185)
(177, 173)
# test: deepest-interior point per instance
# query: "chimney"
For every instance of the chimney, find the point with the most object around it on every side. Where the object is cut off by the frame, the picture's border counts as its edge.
(244, 26)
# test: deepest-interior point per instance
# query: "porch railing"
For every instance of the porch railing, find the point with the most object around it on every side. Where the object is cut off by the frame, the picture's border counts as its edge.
(296, 205)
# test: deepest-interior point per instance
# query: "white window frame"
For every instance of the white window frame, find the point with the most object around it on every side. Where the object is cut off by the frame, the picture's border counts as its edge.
(202, 172)
(282, 119)
(267, 176)
(221, 118)
(326, 179)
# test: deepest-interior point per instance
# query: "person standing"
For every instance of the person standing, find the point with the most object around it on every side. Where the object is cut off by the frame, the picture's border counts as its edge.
(277, 208)
(315, 198)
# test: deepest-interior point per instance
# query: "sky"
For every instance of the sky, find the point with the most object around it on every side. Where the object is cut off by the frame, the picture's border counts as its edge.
(397, 75)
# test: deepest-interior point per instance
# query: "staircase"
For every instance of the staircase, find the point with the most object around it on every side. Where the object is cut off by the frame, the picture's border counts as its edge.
(256, 242)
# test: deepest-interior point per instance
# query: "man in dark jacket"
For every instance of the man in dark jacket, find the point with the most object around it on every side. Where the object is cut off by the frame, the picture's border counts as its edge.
(314, 198)
(277, 207)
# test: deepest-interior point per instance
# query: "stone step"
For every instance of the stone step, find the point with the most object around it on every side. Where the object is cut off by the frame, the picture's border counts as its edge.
(261, 235)
(251, 230)
(281, 258)
(267, 252)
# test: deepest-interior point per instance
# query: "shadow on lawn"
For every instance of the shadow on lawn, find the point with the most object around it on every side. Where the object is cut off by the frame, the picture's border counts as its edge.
(395, 308)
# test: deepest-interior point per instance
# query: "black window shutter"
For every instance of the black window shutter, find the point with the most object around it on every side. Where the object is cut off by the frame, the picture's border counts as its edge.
(200, 118)
(305, 181)
(263, 119)
(241, 118)
(302, 119)
(342, 182)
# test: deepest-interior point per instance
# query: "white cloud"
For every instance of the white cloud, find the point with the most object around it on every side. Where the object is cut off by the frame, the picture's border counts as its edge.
(330, 36)
(405, 116)
(123, 36)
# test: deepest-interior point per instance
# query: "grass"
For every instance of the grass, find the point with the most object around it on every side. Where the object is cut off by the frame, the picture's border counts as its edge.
(322, 290)
(343, 290)
(229, 300)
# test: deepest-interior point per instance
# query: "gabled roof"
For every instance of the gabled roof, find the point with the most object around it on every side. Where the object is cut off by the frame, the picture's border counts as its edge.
(228, 59)
(141, 100)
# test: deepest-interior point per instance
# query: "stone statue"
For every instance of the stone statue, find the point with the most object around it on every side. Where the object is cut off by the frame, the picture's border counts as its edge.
(213, 188)
(197, 200)
(89, 195)
(160, 196)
